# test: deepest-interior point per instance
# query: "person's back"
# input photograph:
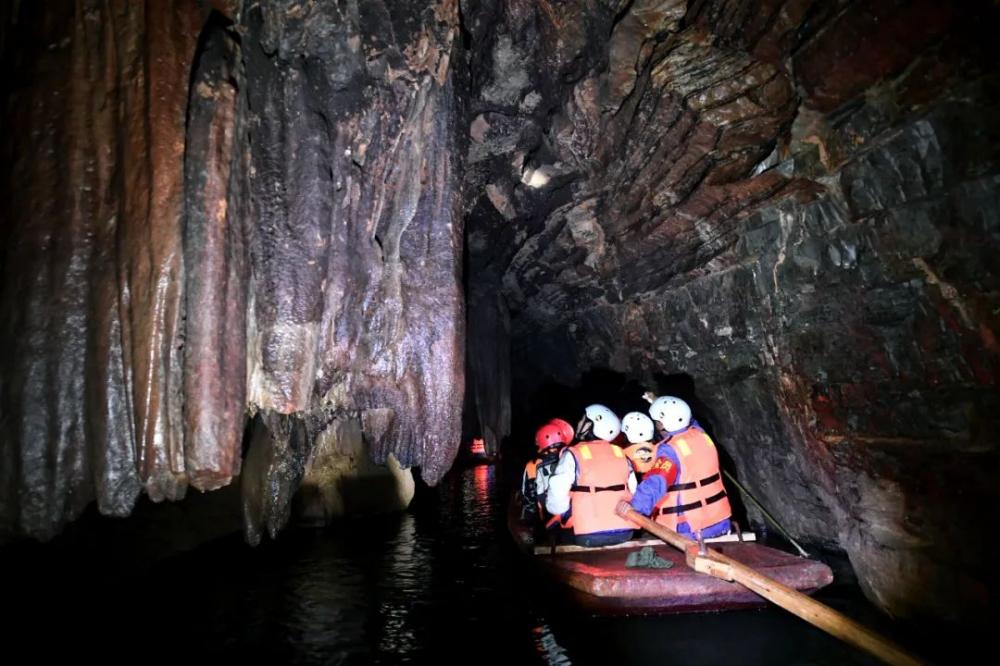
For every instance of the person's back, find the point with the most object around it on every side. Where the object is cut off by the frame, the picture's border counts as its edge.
(550, 457)
(534, 481)
(684, 489)
(697, 499)
(591, 478)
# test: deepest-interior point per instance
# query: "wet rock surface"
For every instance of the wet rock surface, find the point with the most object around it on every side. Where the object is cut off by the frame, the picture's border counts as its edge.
(792, 203)
(356, 238)
(233, 228)
(92, 304)
(244, 219)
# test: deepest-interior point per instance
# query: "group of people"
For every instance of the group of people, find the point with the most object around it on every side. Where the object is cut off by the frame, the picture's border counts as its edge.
(664, 464)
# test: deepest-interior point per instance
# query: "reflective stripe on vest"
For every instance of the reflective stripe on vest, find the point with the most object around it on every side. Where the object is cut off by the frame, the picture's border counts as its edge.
(698, 498)
(602, 473)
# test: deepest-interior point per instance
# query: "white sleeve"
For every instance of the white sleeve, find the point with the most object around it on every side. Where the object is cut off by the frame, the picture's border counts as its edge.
(541, 481)
(557, 498)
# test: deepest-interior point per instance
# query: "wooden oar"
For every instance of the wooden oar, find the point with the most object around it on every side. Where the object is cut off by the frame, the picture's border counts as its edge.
(716, 564)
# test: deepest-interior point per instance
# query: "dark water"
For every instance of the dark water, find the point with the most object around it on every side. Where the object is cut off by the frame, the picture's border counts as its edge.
(441, 583)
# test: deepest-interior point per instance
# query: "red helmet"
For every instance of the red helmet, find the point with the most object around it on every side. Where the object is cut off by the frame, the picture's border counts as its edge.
(548, 435)
(565, 430)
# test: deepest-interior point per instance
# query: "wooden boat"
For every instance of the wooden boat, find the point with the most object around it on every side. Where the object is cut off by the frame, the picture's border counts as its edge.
(473, 460)
(476, 454)
(598, 580)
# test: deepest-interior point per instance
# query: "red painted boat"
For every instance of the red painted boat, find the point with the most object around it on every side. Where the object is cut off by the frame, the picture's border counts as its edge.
(598, 579)
(475, 454)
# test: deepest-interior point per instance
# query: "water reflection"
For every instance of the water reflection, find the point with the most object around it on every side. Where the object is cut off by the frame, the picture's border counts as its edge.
(483, 480)
(440, 582)
(409, 573)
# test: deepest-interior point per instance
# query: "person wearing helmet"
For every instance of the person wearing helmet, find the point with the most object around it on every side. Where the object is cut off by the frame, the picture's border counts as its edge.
(683, 489)
(592, 476)
(566, 431)
(639, 432)
(550, 440)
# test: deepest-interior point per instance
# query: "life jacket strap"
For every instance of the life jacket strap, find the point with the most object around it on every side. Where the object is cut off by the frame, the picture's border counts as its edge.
(680, 509)
(683, 508)
(597, 489)
(716, 497)
(691, 485)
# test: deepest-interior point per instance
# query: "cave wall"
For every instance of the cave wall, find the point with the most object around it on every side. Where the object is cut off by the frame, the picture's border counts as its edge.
(356, 248)
(233, 228)
(224, 217)
(93, 276)
(793, 203)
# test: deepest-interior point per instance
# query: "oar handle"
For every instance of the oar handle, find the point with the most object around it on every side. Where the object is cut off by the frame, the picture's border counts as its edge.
(714, 563)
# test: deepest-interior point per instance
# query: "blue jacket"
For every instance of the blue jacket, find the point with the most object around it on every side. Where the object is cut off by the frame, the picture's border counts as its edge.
(654, 487)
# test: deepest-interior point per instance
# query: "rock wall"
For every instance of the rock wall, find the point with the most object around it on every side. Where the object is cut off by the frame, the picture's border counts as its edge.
(792, 203)
(246, 214)
(93, 286)
(236, 235)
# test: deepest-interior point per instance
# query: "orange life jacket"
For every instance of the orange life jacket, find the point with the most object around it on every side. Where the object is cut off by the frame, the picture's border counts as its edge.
(602, 472)
(698, 497)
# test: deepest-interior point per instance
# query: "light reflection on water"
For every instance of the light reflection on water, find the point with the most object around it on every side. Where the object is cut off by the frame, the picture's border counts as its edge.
(441, 582)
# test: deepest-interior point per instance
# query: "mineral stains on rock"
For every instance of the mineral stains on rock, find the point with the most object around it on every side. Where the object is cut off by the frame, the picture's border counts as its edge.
(215, 215)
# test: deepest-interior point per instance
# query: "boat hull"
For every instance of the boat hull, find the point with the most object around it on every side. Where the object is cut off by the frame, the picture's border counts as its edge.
(598, 580)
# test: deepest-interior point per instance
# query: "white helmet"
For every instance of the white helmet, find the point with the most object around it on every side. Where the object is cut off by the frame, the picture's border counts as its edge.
(637, 427)
(606, 424)
(672, 412)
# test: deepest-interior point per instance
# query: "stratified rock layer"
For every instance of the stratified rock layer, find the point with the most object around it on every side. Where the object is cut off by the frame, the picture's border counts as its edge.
(792, 203)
